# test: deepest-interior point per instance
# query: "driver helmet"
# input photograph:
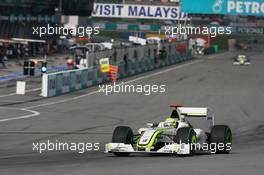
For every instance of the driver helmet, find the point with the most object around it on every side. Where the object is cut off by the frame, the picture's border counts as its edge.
(169, 122)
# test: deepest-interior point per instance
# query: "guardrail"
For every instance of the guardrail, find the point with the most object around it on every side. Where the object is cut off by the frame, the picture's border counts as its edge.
(59, 83)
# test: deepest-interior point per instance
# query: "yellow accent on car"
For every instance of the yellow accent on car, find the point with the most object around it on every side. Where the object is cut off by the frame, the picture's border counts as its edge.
(242, 61)
(194, 140)
(108, 147)
(151, 142)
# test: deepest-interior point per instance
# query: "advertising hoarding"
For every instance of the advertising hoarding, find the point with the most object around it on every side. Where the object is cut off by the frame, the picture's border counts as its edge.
(225, 7)
(137, 11)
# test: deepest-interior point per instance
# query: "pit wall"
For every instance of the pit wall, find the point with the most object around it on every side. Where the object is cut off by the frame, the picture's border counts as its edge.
(55, 84)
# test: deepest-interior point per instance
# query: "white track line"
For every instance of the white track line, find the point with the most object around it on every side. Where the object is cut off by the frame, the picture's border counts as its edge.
(33, 114)
(131, 81)
(12, 94)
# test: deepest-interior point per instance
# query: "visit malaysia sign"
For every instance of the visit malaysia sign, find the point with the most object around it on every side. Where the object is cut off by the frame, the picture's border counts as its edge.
(138, 11)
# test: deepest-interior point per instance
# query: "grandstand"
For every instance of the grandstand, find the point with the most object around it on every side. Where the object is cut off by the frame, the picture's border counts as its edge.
(18, 17)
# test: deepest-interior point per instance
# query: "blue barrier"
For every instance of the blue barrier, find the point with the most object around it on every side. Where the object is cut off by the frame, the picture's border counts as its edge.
(19, 75)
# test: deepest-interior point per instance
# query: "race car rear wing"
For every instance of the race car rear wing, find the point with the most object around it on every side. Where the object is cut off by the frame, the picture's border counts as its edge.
(192, 112)
(197, 112)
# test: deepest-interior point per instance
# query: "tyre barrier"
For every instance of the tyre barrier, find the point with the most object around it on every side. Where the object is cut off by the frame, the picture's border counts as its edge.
(55, 84)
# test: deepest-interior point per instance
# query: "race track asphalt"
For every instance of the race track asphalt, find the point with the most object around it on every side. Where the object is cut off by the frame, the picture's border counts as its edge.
(234, 93)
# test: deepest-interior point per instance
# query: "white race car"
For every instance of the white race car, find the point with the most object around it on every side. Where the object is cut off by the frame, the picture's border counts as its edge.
(175, 135)
(241, 60)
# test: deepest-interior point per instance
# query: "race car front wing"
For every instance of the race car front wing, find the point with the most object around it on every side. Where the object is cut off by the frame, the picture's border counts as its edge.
(241, 63)
(172, 148)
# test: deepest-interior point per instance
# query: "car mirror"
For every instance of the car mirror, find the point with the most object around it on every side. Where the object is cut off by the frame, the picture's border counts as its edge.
(151, 125)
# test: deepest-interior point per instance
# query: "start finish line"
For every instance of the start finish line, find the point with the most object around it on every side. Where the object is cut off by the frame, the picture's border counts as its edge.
(138, 11)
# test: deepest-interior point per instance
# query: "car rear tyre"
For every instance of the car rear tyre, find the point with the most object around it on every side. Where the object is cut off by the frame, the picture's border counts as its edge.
(122, 134)
(186, 135)
(221, 138)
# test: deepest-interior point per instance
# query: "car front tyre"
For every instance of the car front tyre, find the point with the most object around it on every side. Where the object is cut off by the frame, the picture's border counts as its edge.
(122, 134)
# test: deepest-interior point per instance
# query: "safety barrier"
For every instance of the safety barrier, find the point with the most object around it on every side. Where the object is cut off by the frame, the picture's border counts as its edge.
(54, 84)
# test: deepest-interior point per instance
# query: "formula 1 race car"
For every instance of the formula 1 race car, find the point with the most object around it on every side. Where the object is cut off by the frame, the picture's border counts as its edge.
(241, 60)
(173, 136)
